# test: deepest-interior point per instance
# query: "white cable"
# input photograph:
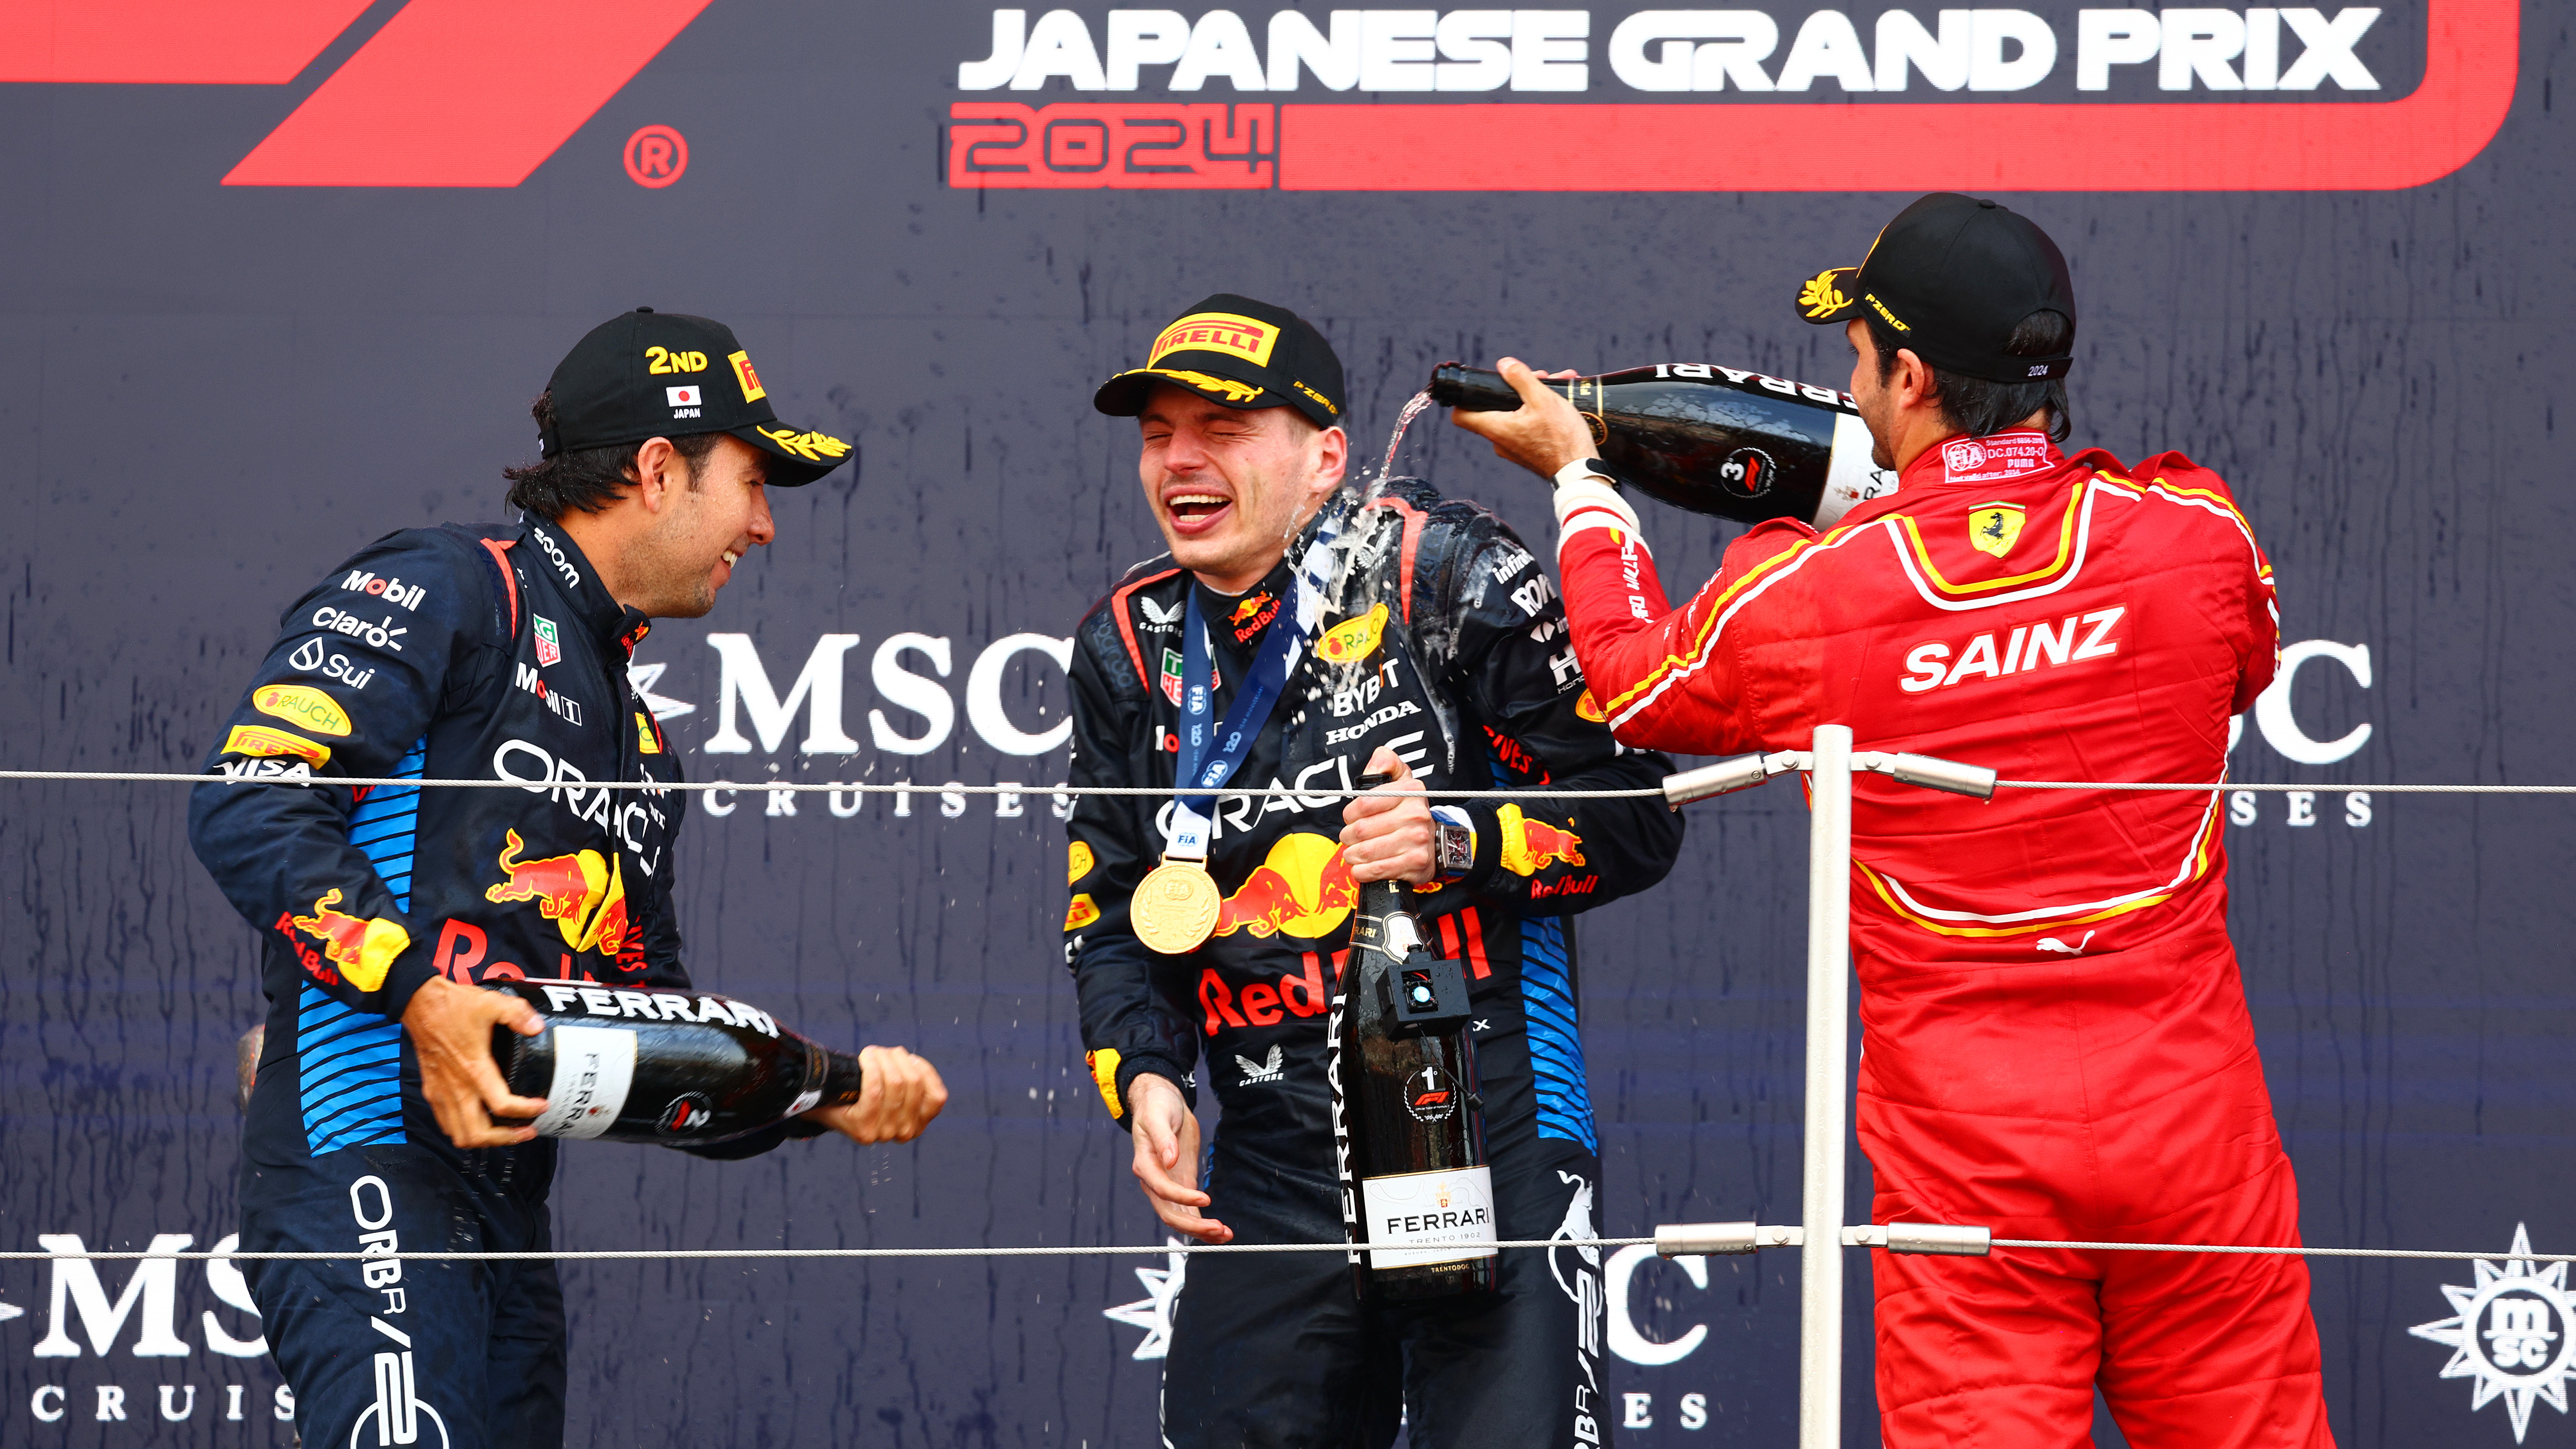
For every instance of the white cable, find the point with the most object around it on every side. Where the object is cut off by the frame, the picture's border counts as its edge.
(627, 1254)
(614, 1254)
(754, 787)
(1158, 791)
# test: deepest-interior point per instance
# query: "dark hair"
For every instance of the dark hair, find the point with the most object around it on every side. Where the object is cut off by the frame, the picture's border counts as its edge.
(1981, 408)
(588, 478)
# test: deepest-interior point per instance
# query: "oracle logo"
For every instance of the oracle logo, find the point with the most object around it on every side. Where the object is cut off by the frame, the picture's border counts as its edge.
(388, 116)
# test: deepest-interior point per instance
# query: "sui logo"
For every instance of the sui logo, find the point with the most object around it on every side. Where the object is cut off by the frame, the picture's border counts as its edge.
(2512, 1334)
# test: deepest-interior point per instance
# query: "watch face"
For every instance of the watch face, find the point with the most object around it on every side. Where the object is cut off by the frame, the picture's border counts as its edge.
(1457, 853)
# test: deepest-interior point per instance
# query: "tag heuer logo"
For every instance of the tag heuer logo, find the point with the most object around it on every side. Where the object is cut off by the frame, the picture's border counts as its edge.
(2513, 1334)
(549, 645)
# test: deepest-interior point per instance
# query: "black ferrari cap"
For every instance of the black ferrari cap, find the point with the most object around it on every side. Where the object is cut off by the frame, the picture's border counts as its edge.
(1953, 276)
(647, 374)
(1239, 352)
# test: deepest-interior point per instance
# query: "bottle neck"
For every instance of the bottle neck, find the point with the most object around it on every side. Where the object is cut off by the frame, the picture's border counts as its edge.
(842, 1079)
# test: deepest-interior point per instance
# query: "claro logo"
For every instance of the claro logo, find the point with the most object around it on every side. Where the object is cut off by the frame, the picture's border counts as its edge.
(2096, 100)
(440, 96)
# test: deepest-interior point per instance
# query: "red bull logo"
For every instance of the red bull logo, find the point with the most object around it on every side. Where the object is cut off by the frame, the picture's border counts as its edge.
(363, 949)
(1531, 846)
(583, 893)
(1302, 888)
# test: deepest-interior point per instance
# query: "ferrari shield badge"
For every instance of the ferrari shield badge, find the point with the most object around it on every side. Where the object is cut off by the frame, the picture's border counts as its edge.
(1992, 527)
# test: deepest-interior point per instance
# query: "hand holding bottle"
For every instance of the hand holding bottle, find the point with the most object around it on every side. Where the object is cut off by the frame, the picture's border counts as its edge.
(451, 1036)
(901, 1093)
(1544, 434)
(1387, 835)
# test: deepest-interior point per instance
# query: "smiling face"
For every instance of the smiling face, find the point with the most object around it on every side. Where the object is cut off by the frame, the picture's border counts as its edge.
(711, 517)
(1231, 486)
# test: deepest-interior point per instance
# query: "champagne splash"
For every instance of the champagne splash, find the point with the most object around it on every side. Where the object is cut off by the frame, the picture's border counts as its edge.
(1394, 440)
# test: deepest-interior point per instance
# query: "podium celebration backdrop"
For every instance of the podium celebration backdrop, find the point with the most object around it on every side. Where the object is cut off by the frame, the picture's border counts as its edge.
(277, 278)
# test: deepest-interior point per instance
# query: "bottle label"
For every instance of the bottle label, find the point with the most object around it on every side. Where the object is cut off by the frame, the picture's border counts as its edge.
(1422, 1218)
(594, 1065)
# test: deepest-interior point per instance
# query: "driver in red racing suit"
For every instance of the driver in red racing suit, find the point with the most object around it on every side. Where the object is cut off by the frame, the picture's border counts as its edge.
(2057, 1039)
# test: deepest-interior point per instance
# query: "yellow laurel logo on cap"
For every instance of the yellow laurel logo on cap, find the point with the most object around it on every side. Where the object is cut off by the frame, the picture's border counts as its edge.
(1217, 332)
(1822, 296)
(1232, 391)
(812, 447)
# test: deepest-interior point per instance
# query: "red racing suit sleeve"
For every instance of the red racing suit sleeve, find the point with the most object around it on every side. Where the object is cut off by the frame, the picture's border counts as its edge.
(1666, 678)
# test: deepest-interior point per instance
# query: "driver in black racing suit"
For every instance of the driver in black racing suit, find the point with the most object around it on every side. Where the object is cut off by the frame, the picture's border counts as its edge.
(1471, 684)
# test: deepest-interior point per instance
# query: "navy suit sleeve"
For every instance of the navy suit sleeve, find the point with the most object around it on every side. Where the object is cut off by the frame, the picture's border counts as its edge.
(1516, 667)
(1129, 1025)
(361, 665)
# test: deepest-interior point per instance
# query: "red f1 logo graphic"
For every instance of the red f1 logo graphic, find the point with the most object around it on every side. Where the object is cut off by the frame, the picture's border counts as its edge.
(448, 93)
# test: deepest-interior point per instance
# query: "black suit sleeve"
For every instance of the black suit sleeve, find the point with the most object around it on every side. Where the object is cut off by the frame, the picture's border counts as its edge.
(1515, 667)
(1129, 1023)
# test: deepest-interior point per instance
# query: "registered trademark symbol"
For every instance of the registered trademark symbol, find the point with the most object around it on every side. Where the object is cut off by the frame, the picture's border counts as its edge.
(656, 156)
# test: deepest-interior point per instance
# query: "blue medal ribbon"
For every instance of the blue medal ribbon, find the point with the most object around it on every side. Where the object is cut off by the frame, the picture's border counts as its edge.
(1211, 753)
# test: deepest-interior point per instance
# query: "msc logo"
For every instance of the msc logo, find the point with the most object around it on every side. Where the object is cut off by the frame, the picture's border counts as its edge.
(387, 116)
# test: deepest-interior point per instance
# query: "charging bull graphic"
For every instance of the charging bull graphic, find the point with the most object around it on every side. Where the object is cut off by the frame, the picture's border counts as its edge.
(1303, 888)
(582, 893)
(363, 949)
(1531, 846)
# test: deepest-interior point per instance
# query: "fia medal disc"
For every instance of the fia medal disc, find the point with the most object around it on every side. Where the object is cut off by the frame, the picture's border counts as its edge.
(1175, 907)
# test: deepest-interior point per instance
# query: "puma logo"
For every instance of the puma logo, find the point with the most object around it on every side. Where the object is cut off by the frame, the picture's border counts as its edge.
(2051, 943)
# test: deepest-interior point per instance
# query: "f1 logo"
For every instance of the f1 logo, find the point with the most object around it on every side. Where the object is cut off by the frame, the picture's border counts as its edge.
(447, 93)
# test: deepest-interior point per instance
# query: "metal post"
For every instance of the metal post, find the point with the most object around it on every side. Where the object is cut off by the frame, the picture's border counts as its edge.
(1820, 1259)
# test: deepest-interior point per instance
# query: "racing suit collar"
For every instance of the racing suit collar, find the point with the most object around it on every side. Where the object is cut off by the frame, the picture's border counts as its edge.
(1236, 622)
(596, 610)
(1963, 461)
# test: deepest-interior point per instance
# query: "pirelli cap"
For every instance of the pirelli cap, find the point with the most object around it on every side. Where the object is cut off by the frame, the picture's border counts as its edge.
(1239, 352)
(647, 374)
(1952, 277)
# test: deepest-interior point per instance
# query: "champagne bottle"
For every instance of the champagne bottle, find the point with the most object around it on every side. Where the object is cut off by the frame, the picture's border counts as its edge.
(1710, 439)
(667, 1067)
(1411, 1129)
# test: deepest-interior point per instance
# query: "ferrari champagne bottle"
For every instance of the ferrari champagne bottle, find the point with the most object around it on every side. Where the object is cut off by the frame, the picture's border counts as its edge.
(675, 1068)
(1711, 439)
(1411, 1128)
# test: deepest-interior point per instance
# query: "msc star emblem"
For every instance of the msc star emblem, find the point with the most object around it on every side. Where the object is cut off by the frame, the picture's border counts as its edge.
(2512, 1334)
(1992, 527)
(1153, 1312)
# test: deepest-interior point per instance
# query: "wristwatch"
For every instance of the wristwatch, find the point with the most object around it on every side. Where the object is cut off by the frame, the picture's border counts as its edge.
(1453, 844)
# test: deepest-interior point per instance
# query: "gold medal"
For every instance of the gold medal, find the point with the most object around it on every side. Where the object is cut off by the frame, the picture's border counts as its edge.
(1175, 907)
